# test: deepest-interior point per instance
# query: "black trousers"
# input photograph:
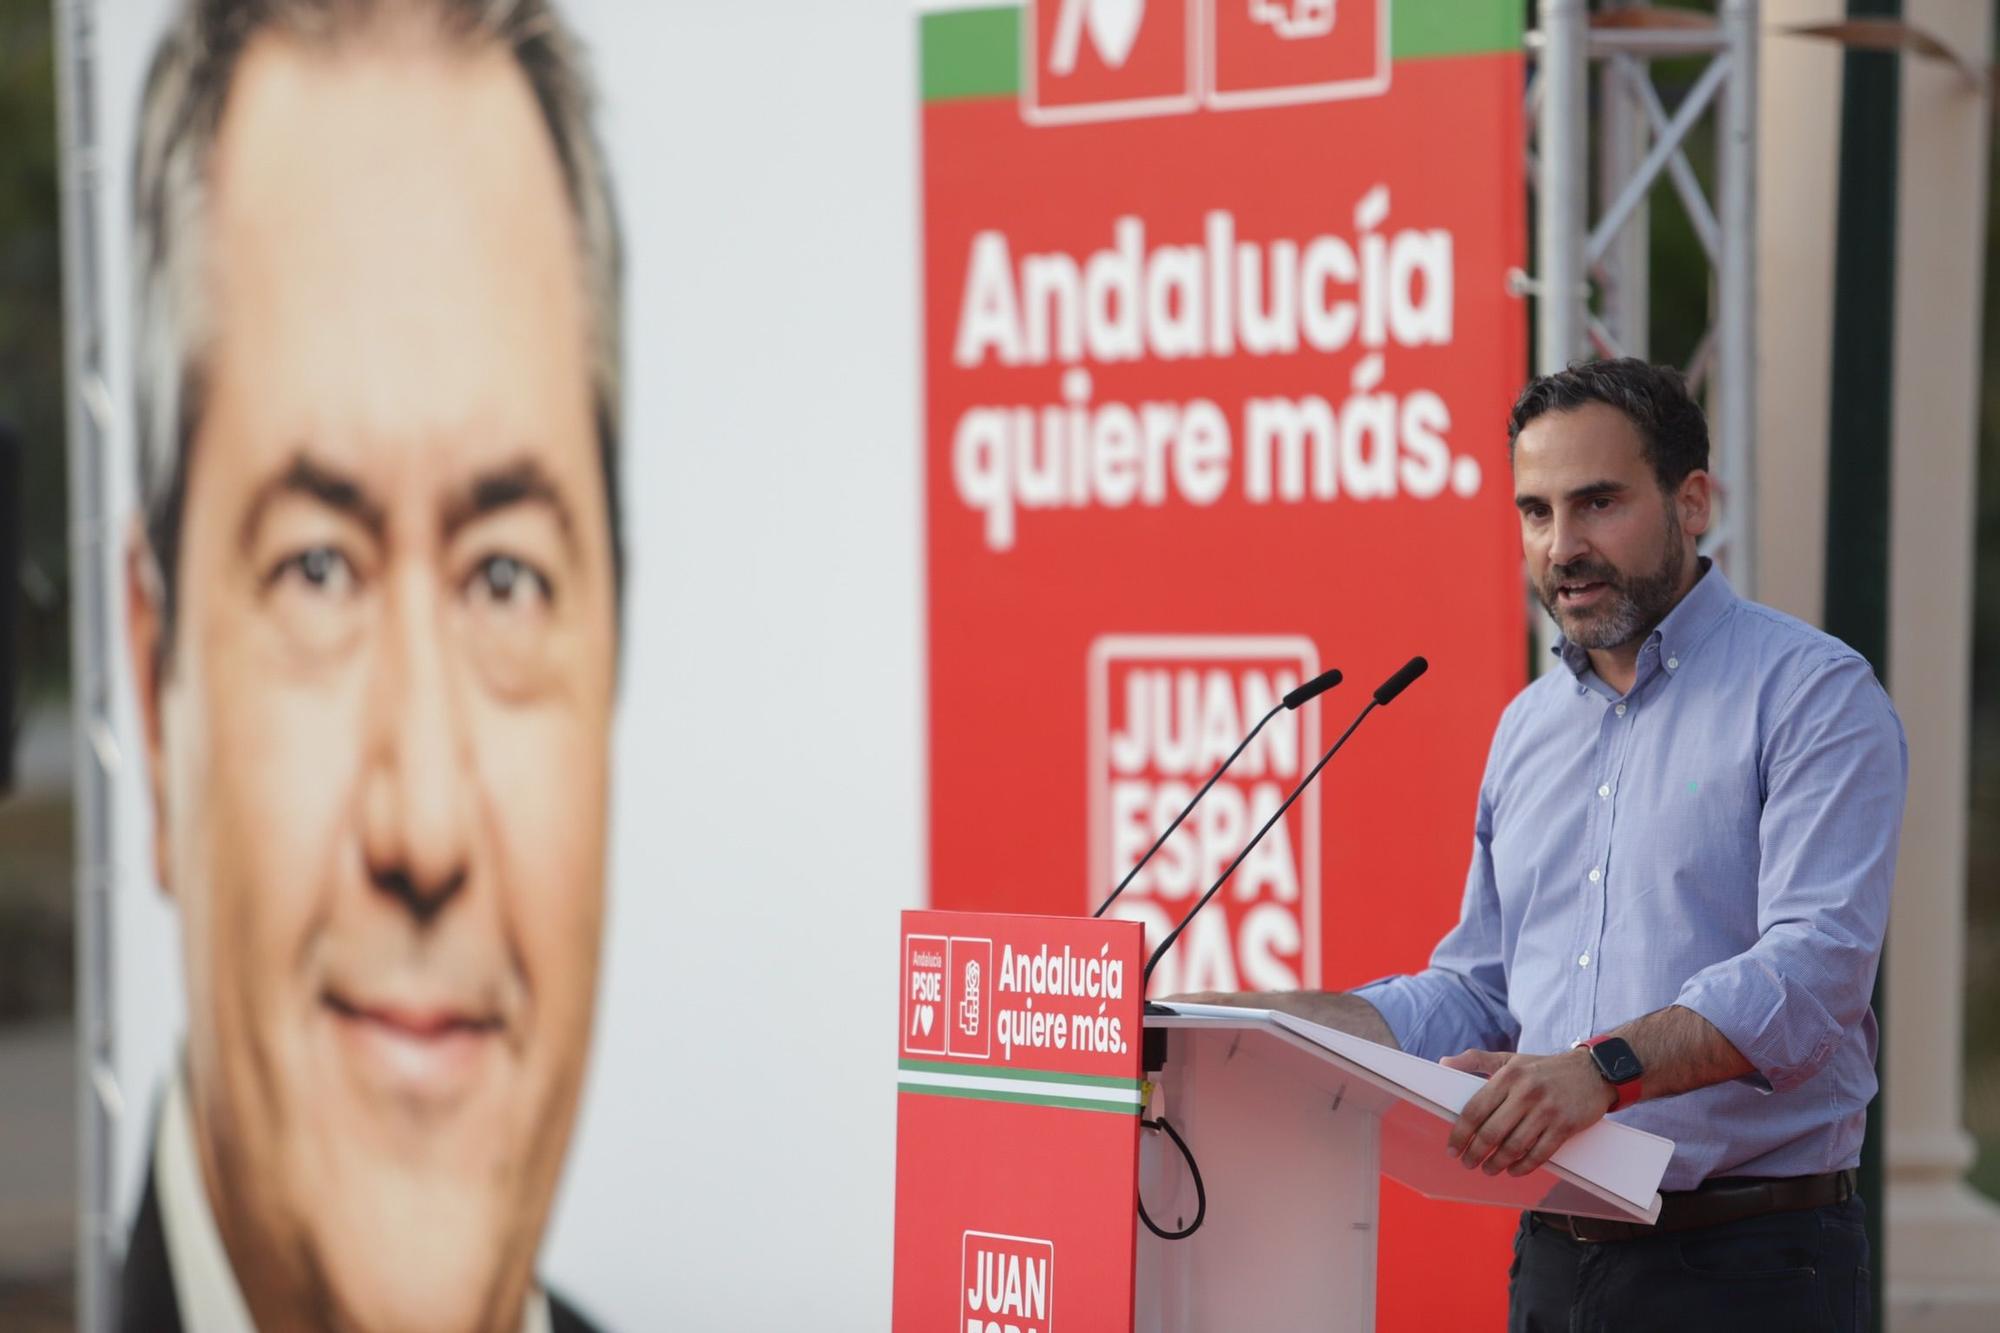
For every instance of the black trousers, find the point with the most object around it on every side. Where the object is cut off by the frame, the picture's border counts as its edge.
(1806, 1271)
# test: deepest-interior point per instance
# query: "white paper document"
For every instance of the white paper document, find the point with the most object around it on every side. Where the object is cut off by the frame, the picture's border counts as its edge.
(1609, 1170)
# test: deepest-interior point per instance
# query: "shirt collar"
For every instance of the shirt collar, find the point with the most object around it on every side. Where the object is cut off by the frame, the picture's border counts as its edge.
(1684, 627)
(204, 1284)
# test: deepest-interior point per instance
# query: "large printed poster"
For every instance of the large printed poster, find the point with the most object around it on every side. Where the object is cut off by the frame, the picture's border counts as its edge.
(1219, 343)
(494, 473)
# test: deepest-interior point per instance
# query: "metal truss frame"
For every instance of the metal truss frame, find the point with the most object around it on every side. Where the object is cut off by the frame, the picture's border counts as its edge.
(1590, 281)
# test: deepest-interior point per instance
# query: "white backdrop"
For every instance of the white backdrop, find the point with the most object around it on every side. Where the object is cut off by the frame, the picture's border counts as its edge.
(734, 1164)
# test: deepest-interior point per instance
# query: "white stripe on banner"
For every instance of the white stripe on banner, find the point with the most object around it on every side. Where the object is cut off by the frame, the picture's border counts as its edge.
(1020, 1087)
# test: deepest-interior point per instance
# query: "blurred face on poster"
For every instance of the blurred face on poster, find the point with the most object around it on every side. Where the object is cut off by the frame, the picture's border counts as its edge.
(377, 664)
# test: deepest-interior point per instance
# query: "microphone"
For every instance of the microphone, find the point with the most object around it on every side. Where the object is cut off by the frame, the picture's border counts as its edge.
(1312, 689)
(1307, 692)
(1399, 682)
(1384, 692)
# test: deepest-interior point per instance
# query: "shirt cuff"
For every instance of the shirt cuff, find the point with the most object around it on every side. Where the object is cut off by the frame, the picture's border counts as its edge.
(1401, 1008)
(1777, 1025)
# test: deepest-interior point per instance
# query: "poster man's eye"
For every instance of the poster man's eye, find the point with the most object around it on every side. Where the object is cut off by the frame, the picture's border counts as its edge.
(321, 570)
(507, 581)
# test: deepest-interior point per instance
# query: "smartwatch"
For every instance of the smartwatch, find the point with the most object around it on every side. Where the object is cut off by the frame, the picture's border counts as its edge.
(1618, 1065)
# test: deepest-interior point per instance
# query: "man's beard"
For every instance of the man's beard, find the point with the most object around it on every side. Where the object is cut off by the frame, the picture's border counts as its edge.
(1632, 604)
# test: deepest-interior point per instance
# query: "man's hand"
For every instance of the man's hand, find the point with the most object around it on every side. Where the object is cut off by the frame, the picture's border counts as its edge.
(1332, 1009)
(1531, 1106)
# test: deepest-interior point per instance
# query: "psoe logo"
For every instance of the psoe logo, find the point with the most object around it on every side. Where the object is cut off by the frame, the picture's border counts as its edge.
(1163, 712)
(1009, 1284)
(1085, 60)
(924, 1010)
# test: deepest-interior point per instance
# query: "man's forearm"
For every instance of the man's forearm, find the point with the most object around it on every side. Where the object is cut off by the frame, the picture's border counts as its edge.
(1334, 1009)
(1681, 1051)
(1533, 1104)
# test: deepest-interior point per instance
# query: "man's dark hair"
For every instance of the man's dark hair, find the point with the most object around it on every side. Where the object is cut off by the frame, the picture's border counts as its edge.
(1655, 399)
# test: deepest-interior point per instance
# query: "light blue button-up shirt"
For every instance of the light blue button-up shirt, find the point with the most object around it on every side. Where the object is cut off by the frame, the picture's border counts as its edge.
(1722, 837)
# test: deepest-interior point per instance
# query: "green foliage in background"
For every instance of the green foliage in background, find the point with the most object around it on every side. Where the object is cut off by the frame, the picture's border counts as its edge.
(31, 347)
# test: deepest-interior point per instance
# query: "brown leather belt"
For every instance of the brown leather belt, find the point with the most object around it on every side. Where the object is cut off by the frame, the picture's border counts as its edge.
(1723, 1199)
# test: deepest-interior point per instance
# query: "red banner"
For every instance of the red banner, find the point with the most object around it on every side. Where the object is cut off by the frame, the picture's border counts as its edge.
(1219, 347)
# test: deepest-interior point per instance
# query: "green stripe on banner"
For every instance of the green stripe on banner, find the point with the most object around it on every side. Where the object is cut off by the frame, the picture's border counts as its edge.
(1025, 1075)
(1419, 28)
(971, 53)
(976, 52)
(1020, 1098)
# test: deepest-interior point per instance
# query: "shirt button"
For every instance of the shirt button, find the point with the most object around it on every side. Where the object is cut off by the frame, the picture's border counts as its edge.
(1596, 873)
(1604, 791)
(1583, 961)
(1620, 710)
(1673, 662)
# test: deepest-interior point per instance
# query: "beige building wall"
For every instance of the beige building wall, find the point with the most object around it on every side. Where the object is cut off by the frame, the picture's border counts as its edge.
(1943, 1243)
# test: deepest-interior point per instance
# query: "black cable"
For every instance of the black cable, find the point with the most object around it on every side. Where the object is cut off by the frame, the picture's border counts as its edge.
(1200, 1194)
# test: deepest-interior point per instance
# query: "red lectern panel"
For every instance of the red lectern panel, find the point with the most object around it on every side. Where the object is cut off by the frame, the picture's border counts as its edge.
(1017, 1122)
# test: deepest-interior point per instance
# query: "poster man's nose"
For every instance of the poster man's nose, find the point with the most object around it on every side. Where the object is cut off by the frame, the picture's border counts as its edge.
(416, 814)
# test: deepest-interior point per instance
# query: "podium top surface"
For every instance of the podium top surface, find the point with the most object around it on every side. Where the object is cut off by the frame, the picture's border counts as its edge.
(1609, 1170)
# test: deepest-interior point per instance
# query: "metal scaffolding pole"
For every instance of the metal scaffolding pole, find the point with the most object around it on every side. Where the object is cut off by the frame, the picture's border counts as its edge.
(1734, 401)
(1560, 169)
(93, 577)
(1561, 213)
(1621, 146)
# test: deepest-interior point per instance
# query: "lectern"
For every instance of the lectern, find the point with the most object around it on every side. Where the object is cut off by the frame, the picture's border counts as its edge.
(1023, 1146)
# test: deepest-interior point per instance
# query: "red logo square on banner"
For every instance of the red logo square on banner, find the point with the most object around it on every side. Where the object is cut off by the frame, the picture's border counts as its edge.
(925, 1015)
(1271, 52)
(1009, 1284)
(968, 984)
(1163, 712)
(1108, 59)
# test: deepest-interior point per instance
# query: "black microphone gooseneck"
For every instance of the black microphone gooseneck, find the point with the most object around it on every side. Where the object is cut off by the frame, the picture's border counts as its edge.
(1312, 689)
(1156, 1051)
(1384, 693)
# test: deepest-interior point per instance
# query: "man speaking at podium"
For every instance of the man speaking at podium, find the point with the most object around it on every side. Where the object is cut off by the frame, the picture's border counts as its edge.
(1682, 857)
(373, 620)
